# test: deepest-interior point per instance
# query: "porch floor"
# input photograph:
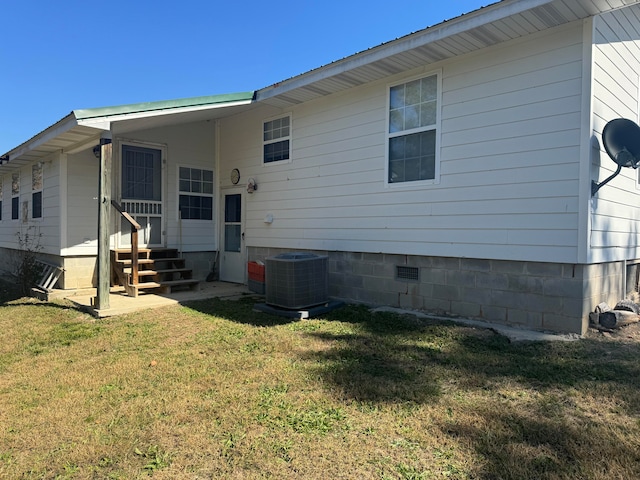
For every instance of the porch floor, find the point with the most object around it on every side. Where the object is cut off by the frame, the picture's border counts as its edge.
(120, 303)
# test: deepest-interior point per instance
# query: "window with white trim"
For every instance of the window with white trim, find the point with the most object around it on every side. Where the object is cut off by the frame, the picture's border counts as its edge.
(412, 135)
(36, 191)
(276, 138)
(15, 196)
(196, 193)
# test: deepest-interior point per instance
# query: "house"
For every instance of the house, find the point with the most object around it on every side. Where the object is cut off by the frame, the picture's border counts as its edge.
(448, 170)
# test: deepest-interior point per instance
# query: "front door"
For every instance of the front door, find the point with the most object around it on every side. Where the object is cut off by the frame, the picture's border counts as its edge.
(141, 195)
(232, 254)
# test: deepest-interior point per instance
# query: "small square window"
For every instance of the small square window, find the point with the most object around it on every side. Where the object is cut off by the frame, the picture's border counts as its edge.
(276, 137)
(195, 201)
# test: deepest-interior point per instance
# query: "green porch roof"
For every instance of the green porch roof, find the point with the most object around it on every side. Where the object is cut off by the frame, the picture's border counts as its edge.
(163, 105)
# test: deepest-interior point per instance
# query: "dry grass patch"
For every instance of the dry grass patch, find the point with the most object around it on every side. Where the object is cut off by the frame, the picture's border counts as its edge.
(216, 390)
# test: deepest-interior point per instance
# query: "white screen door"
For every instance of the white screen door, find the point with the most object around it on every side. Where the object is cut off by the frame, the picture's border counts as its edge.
(142, 195)
(232, 254)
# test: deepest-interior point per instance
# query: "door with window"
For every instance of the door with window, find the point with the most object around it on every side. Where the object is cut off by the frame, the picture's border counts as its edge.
(232, 253)
(141, 195)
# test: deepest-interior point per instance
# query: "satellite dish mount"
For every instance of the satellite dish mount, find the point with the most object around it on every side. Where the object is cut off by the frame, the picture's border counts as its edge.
(621, 139)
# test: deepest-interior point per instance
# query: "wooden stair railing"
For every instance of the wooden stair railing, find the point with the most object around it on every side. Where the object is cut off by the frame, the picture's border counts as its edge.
(135, 226)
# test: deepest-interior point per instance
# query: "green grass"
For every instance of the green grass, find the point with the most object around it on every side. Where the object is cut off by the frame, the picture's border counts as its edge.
(216, 390)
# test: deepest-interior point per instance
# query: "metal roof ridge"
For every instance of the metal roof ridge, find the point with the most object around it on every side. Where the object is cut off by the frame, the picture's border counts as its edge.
(87, 113)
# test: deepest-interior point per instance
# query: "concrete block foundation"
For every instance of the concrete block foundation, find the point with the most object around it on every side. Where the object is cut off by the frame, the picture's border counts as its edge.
(534, 295)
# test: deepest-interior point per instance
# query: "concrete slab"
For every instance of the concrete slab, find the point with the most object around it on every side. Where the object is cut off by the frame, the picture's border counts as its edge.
(512, 333)
(120, 303)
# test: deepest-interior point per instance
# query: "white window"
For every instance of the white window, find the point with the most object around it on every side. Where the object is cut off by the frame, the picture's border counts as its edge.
(276, 138)
(413, 130)
(36, 191)
(196, 193)
(15, 195)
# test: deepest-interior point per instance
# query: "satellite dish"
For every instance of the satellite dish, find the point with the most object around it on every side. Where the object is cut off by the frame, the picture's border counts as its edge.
(621, 139)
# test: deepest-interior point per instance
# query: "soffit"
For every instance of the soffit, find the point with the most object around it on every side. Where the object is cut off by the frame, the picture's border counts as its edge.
(491, 25)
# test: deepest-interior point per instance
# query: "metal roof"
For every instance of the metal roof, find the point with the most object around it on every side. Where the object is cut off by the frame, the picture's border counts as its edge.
(163, 105)
(81, 129)
(499, 22)
(487, 26)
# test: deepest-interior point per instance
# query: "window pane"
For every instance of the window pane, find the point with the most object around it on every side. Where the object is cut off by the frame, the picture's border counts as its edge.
(412, 157)
(207, 175)
(429, 88)
(274, 152)
(397, 97)
(396, 121)
(15, 208)
(232, 212)
(141, 168)
(412, 95)
(428, 114)
(412, 117)
(36, 204)
(184, 173)
(185, 185)
(207, 187)
(155, 230)
(232, 238)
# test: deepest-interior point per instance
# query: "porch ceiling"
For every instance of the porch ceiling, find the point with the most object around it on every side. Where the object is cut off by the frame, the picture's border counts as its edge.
(496, 23)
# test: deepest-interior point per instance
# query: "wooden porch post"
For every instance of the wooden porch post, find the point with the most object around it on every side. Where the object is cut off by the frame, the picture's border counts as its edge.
(104, 216)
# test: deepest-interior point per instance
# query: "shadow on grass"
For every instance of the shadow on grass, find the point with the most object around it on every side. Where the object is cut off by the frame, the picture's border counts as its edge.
(395, 358)
(9, 291)
(476, 357)
(240, 311)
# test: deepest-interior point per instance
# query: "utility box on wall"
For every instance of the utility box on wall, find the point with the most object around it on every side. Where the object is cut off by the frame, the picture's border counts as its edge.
(296, 280)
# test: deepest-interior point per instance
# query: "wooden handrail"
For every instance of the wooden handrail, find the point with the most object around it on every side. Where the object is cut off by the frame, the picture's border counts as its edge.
(135, 226)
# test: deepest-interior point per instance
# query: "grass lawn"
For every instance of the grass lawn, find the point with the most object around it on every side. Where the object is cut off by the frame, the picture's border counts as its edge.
(215, 390)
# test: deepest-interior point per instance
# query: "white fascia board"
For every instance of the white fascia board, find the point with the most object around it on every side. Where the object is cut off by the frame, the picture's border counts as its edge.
(484, 16)
(105, 122)
(62, 126)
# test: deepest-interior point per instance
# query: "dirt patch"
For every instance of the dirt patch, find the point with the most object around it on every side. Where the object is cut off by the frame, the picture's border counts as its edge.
(627, 333)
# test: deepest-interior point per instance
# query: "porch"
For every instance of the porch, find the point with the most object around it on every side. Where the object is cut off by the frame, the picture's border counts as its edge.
(120, 303)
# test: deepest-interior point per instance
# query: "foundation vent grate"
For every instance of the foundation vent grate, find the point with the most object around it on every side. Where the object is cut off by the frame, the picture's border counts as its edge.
(407, 273)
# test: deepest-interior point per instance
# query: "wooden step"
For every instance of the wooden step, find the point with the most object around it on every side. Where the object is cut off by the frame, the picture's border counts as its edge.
(154, 264)
(141, 261)
(167, 286)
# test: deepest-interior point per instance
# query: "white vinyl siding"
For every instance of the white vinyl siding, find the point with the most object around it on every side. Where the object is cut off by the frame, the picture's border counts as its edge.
(615, 219)
(510, 151)
(82, 204)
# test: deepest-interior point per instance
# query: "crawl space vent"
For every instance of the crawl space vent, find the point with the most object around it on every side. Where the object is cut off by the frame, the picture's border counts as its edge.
(296, 280)
(407, 273)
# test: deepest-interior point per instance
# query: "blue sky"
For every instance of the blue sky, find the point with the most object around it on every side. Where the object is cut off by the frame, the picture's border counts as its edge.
(57, 56)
